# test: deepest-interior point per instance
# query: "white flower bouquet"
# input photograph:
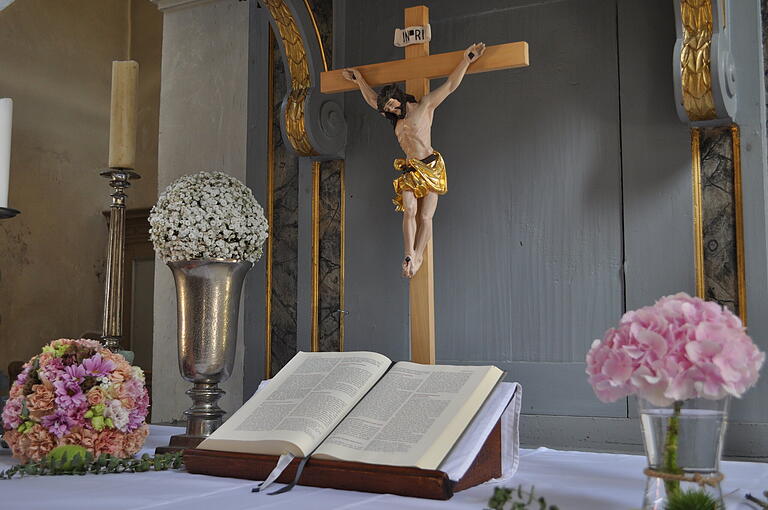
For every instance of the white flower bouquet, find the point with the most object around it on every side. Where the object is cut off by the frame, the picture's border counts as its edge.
(209, 215)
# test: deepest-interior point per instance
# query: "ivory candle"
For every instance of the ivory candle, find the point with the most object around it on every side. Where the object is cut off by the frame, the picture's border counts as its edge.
(6, 116)
(122, 121)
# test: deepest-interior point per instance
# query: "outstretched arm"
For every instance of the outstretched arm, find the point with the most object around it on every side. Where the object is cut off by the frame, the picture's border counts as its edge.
(437, 96)
(368, 93)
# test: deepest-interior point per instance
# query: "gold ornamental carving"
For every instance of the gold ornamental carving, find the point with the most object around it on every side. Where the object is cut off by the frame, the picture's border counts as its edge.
(298, 66)
(695, 65)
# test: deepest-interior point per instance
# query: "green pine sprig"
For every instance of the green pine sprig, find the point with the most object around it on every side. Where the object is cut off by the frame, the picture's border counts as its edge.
(518, 499)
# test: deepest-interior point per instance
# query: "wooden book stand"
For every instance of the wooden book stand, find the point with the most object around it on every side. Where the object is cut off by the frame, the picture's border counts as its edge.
(354, 476)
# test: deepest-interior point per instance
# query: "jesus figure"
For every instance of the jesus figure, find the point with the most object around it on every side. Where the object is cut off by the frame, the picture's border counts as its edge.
(422, 172)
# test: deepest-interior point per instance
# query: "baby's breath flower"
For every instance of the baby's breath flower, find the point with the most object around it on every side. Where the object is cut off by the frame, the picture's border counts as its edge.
(206, 216)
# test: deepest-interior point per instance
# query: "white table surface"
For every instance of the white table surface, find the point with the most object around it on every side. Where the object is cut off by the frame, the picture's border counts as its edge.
(571, 480)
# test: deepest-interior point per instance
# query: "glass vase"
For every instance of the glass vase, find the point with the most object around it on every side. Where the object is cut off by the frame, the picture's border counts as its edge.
(683, 443)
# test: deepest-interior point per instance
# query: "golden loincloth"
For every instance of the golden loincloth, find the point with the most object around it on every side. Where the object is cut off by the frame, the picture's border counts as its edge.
(419, 178)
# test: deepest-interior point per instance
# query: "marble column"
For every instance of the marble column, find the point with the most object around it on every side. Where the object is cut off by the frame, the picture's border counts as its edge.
(330, 266)
(331, 218)
(719, 208)
(286, 312)
(284, 230)
(203, 100)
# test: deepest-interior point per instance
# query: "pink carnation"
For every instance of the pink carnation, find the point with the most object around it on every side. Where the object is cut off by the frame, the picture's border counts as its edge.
(135, 440)
(12, 413)
(680, 348)
(132, 388)
(82, 437)
(91, 344)
(110, 441)
(17, 390)
(12, 438)
(21, 379)
(37, 442)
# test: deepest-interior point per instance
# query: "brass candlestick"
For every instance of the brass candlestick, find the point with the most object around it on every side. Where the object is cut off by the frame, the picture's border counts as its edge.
(112, 325)
(7, 212)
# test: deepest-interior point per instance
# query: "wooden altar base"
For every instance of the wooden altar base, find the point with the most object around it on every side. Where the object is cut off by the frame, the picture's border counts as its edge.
(353, 476)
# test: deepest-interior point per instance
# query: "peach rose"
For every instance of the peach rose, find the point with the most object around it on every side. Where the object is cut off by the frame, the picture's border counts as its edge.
(123, 372)
(128, 402)
(40, 398)
(117, 359)
(95, 396)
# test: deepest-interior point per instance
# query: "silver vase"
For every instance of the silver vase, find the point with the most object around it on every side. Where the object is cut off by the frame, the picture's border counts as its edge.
(208, 303)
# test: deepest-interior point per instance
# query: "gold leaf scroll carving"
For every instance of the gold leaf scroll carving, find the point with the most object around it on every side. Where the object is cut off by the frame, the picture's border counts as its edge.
(299, 70)
(696, 80)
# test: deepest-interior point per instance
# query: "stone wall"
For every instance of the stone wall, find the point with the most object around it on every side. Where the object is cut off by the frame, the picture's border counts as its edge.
(203, 109)
(56, 60)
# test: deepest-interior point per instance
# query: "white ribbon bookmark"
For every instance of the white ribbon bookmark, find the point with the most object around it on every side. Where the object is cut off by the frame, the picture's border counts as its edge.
(299, 470)
(282, 463)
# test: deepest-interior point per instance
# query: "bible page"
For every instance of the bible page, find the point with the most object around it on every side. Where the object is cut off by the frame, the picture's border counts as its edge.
(301, 404)
(413, 416)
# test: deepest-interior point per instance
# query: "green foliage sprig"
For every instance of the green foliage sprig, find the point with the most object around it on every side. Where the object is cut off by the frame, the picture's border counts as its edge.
(518, 499)
(81, 463)
(692, 500)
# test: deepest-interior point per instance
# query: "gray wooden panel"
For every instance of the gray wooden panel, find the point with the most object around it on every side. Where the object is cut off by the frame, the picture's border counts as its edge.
(656, 157)
(528, 240)
(254, 298)
(656, 186)
(751, 118)
(564, 385)
(657, 170)
(743, 441)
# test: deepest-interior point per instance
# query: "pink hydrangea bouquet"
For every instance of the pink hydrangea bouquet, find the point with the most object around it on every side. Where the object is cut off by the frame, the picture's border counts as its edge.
(680, 348)
(76, 392)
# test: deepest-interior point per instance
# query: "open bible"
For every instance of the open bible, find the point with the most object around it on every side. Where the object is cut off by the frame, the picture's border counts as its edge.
(359, 407)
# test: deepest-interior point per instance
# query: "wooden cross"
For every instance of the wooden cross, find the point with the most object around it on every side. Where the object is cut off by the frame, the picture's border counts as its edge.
(416, 70)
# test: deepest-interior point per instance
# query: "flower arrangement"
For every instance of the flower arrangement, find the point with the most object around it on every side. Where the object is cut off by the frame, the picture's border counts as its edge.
(680, 348)
(76, 392)
(209, 215)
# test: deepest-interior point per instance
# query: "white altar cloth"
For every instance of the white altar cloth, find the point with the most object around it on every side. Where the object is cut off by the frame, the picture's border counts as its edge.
(571, 480)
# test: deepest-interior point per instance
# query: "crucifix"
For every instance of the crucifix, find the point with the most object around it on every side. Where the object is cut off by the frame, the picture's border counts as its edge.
(416, 70)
